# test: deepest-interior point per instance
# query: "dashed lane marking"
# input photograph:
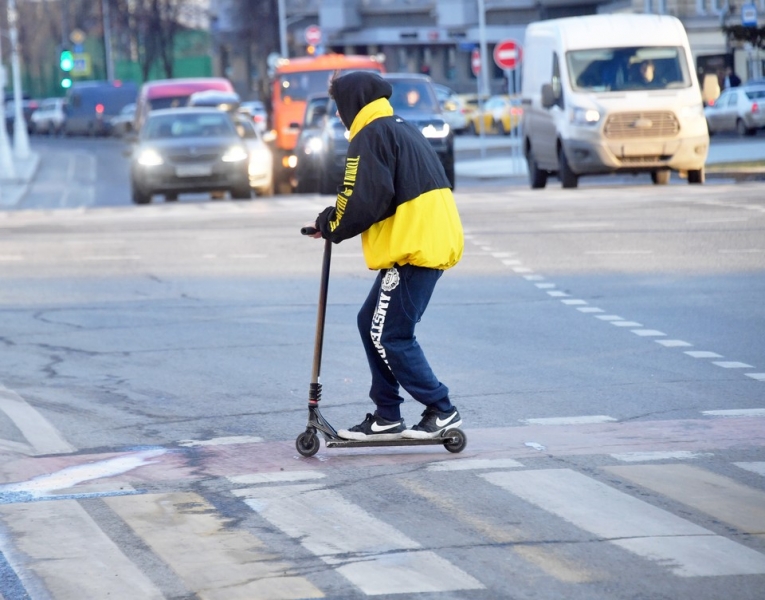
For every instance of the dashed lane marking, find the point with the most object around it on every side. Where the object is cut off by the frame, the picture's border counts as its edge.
(580, 420)
(651, 456)
(732, 364)
(735, 412)
(275, 477)
(673, 343)
(753, 467)
(469, 464)
(702, 354)
(222, 441)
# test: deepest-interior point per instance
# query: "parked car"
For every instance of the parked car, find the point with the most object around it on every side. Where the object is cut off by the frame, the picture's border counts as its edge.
(309, 147)
(453, 108)
(28, 107)
(49, 117)
(739, 109)
(189, 150)
(500, 114)
(256, 110)
(123, 123)
(261, 162)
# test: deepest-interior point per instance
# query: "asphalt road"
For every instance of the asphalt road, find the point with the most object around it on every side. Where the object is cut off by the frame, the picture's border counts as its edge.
(604, 346)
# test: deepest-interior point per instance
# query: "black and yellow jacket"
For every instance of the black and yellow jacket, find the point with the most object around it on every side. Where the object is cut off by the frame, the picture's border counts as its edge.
(395, 192)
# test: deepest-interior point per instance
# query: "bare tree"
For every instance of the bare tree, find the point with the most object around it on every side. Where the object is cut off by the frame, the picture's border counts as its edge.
(259, 33)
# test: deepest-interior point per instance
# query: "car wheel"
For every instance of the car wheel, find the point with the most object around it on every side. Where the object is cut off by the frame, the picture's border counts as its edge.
(171, 197)
(537, 177)
(696, 176)
(241, 193)
(742, 129)
(505, 129)
(661, 176)
(472, 130)
(567, 177)
(140, 197)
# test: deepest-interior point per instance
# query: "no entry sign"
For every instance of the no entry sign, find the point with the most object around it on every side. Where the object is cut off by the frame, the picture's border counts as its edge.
(508, 54)
(313, 35)
(475, 61)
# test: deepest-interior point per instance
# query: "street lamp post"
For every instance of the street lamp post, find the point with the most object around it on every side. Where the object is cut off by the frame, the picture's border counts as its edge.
(7, 168)
(283, 29)
(20, 136)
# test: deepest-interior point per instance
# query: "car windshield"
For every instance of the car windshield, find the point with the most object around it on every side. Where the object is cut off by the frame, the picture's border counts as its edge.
(298, 86)
(755, 94)
(169, 102)
(413, 96)
(623, 69)
(188, 125)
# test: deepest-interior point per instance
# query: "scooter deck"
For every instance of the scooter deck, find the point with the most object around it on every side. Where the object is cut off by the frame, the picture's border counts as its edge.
(341, 443)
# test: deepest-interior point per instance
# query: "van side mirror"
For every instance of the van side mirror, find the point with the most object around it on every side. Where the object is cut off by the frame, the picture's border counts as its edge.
(548, 96)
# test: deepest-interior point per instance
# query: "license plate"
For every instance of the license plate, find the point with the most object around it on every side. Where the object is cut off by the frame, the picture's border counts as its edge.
(193, 170)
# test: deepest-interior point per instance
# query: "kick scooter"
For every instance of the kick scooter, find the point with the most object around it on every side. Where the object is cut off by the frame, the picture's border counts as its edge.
(308, 443)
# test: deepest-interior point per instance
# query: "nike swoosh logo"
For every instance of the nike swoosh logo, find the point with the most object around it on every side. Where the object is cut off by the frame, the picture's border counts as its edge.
(378, 428)
(441, 423)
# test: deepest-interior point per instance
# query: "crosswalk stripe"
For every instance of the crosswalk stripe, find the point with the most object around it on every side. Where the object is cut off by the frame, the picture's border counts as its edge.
(641, 528)
(467, 464)
(374, 556)
(754, 467)
(715, 495)
(71, 555)
(211, 558)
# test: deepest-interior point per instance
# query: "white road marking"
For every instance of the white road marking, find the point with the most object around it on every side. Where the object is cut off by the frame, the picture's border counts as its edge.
(503, 254)
(580, 420)
(276, 477)
(44, 485)
(533, 277)
(673, 343)
(731, 364)
(573, 302)
(371, 554)
(609, 318)
(648, 333)
(248, 255)
(754, 467)
(536, 446)
(522, 270)
(735, 412)
(757, 376)
(469, 464)
(650, 532)
(43, 437)
(580, 225)
(742, 251)
(590, 309)
(67, 550)
(212, 557)
(648, 456)
(10, 257)
(618, 252)
(510, 262)
(626, 324)
(545, 286)
(114, 257)
(222, 441)
(702, 354)
(557, 294)
(718, 496)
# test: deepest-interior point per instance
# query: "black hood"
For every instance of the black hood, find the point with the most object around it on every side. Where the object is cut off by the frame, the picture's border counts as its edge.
(355, 90)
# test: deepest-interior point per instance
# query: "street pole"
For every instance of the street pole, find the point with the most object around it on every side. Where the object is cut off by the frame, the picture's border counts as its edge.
(107, 40)
(7, 168)
(20, 135)
(484, 86)
(283, 29)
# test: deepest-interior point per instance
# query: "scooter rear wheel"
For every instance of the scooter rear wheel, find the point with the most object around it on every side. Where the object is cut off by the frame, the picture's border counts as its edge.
(307, 444)
(457, 440)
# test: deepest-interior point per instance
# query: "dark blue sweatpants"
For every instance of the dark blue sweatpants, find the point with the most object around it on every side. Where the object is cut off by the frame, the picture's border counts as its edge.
(386, 322)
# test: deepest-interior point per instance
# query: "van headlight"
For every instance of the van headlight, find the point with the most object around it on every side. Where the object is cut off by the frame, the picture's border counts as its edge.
(436, 131)
(314, 146)
(234, 154)
(584, 116)
(150, 158)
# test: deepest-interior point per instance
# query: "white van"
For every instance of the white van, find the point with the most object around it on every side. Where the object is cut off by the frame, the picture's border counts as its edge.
(611, 93)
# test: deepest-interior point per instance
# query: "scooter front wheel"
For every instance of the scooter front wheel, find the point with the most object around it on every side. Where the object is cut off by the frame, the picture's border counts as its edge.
(457, 440)
(307, 444)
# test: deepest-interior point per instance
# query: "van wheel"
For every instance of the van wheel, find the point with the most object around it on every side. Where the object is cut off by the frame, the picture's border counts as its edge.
(567, 177)
(661, 177)
(140, 197)
(696, 175)
(537, 177)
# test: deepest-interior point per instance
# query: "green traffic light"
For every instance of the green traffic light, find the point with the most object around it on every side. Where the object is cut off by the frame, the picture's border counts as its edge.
(66, 83)
(66, 60)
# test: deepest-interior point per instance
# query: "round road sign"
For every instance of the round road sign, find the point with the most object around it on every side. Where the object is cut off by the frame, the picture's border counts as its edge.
(508, 54)
(313, 35)
(475, 61)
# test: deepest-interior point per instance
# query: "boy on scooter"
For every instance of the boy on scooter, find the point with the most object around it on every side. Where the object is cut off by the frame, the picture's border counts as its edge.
(396, 195)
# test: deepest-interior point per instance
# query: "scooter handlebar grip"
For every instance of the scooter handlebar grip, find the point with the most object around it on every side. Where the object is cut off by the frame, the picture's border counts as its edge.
(308, 230)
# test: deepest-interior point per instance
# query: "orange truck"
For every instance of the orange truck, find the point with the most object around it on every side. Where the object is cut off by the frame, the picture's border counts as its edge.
(294, 80)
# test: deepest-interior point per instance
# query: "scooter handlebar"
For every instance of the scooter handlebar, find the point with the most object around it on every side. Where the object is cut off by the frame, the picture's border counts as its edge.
(308, 230)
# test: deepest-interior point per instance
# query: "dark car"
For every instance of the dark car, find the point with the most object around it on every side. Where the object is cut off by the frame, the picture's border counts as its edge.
(28, 107)
(309, 146)
(189, 150)
(414, 99)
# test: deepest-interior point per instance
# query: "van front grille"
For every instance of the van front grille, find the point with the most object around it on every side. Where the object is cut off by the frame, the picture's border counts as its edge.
(642, 124)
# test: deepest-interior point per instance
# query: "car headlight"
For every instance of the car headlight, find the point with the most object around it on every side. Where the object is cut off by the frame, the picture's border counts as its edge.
(314, 146)
(150, 158)
(694, 110)
(436, 131)
(234, 154)
(584, 116)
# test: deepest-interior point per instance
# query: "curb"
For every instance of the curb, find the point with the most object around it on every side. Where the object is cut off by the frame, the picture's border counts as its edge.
(13, 190)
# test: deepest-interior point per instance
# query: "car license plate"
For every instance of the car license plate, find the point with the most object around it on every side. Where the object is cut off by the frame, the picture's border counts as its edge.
(193, 170)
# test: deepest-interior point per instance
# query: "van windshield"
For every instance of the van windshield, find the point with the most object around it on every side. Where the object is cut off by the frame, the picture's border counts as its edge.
(624, 69)
(298, 86)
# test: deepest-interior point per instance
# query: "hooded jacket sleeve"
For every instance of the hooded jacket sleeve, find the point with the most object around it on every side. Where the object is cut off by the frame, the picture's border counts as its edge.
(366, 194)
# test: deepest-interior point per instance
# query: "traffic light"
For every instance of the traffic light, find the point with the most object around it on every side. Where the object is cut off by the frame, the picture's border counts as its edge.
(66, 60)
(66, 63)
